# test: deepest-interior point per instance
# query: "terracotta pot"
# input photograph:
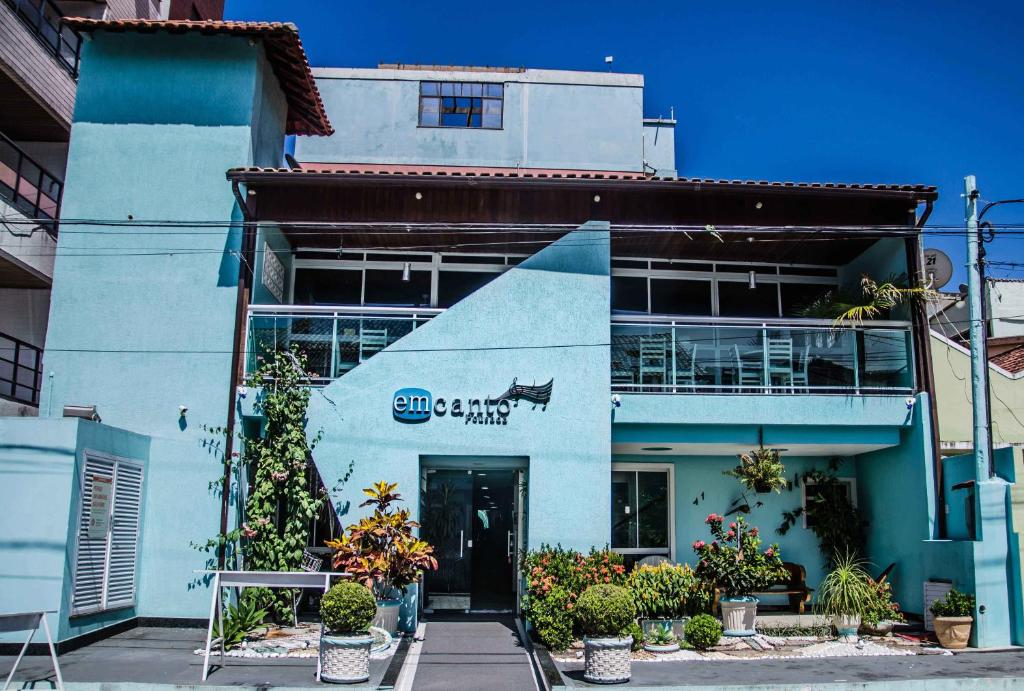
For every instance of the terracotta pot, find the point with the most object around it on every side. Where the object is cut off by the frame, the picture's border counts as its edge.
(953, 632)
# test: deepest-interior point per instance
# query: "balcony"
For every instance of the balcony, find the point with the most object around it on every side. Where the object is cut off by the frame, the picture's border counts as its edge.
(760, 356)
(28, 187)
(335, 340)
(21, 370)
(46, 22)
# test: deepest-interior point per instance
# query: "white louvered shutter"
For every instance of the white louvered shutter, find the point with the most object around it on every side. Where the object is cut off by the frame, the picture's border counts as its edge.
(105, 565)
(124, 536)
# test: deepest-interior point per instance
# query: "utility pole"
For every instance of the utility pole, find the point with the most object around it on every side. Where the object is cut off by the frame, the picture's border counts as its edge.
(983, 466)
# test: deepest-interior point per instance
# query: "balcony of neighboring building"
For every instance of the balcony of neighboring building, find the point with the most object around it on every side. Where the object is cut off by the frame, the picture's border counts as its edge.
(30, 197)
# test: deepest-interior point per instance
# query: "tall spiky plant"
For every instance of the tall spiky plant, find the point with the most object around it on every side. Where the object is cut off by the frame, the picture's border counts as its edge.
(847, 588)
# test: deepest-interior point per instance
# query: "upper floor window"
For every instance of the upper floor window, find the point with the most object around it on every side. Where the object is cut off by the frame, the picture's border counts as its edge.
(461, 104)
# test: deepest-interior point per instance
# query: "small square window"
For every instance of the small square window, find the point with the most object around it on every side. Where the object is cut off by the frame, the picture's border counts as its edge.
(813, 490)
(461, 104)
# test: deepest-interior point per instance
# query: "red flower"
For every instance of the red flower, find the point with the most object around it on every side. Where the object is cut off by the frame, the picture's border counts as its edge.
(733, 525)
(769, 552)
(731, 534)
(698, 544)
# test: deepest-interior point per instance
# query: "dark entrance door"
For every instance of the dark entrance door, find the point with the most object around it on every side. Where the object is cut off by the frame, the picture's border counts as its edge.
(469, 516)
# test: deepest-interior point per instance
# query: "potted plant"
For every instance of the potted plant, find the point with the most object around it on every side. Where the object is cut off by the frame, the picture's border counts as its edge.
(760, 470)
(663, 595)
(603, 612)
(734, 565)
(346, 612)
(954, 616)
(660, 640)
(381, 552)
(845, 594)
(882, 613)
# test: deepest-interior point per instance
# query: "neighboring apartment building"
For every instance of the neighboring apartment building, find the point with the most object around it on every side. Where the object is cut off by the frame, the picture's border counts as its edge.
(505, 310)
(39, 62)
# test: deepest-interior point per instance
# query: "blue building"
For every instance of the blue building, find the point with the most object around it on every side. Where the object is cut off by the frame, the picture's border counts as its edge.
(512, 307)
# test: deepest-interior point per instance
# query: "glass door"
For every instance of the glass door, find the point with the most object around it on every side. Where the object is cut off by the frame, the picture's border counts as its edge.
(448, 526)
(494, 534)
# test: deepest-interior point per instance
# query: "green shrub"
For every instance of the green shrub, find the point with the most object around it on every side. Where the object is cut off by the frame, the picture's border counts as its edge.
(633, 629)
(239, 621)
(605, 610)
(663, 591)
(881, 607)
(703, 632)
(555, 578)
(955, 604)
(551, 617)
(348, 607)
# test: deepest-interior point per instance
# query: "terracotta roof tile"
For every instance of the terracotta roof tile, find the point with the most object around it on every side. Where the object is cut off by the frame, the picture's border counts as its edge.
(1011, 360)
(369, 169)
(306, 113)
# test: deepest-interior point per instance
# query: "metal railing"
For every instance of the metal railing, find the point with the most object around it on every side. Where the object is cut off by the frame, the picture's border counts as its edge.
(21, 370)
(769, 356)
(46, 22)
(334, 340)
(28, 187)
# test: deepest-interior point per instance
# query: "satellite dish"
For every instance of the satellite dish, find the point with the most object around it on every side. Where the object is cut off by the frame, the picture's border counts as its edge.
(937, 268)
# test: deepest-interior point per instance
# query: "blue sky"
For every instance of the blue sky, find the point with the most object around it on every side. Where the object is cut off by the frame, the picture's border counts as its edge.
(853, 91)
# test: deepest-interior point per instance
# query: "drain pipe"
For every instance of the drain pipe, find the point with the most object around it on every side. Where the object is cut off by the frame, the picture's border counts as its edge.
(925, 371)
(245, 262)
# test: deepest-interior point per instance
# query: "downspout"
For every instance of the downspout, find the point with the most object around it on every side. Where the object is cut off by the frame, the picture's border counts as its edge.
(925, 372)
(245, 263)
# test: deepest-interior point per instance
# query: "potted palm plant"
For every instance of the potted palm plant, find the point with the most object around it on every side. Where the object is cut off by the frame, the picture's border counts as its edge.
(346, 611)
(735, 566)
(603, 612)
(846, 594)
(760, 470)
(381, 552)
(954, 616)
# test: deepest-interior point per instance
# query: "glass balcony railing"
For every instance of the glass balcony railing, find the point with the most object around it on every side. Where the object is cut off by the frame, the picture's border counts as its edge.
(334, 340)
(28, 187)
(46, 22)
(771, 357)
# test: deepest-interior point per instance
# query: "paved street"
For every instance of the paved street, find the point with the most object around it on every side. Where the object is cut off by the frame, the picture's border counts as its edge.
(997, 670)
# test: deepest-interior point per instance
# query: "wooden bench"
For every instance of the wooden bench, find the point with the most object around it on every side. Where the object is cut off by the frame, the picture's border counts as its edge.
(794, 586)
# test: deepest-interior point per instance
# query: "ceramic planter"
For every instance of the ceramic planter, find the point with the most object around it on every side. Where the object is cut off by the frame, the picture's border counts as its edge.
(387, 615)
(345, 659)
(676, 627)
(739, 614)
(607, 660)
(953, 632)
(882, 628)
(846, 625)
(661, 647)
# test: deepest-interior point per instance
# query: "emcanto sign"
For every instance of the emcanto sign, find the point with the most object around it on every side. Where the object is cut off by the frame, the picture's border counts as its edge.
(412, 405)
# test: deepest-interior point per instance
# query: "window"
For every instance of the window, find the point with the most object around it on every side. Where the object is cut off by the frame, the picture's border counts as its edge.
(629, 294)
(461, 104)
(108, 534)
(641, 509)
(328, 287)
(797, 296)
(385, 287)
(811, 489)
(673, 296)
(452, 286)
(740, 300)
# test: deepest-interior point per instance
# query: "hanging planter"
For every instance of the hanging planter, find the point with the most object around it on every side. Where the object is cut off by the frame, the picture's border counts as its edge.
(760, 470)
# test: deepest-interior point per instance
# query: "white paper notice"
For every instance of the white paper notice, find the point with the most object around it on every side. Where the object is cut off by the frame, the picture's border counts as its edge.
(99, 508)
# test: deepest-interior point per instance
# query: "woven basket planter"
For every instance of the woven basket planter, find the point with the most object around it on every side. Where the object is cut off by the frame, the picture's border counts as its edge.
(345, 659)
(607, 660)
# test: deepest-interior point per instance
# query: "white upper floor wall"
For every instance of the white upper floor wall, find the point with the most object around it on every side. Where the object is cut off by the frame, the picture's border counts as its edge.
(548, 119)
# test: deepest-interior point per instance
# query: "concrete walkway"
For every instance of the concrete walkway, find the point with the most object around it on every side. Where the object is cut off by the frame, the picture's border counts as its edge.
(471, 652)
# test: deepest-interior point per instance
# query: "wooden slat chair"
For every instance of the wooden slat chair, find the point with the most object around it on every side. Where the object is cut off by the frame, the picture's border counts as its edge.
(794, 586)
